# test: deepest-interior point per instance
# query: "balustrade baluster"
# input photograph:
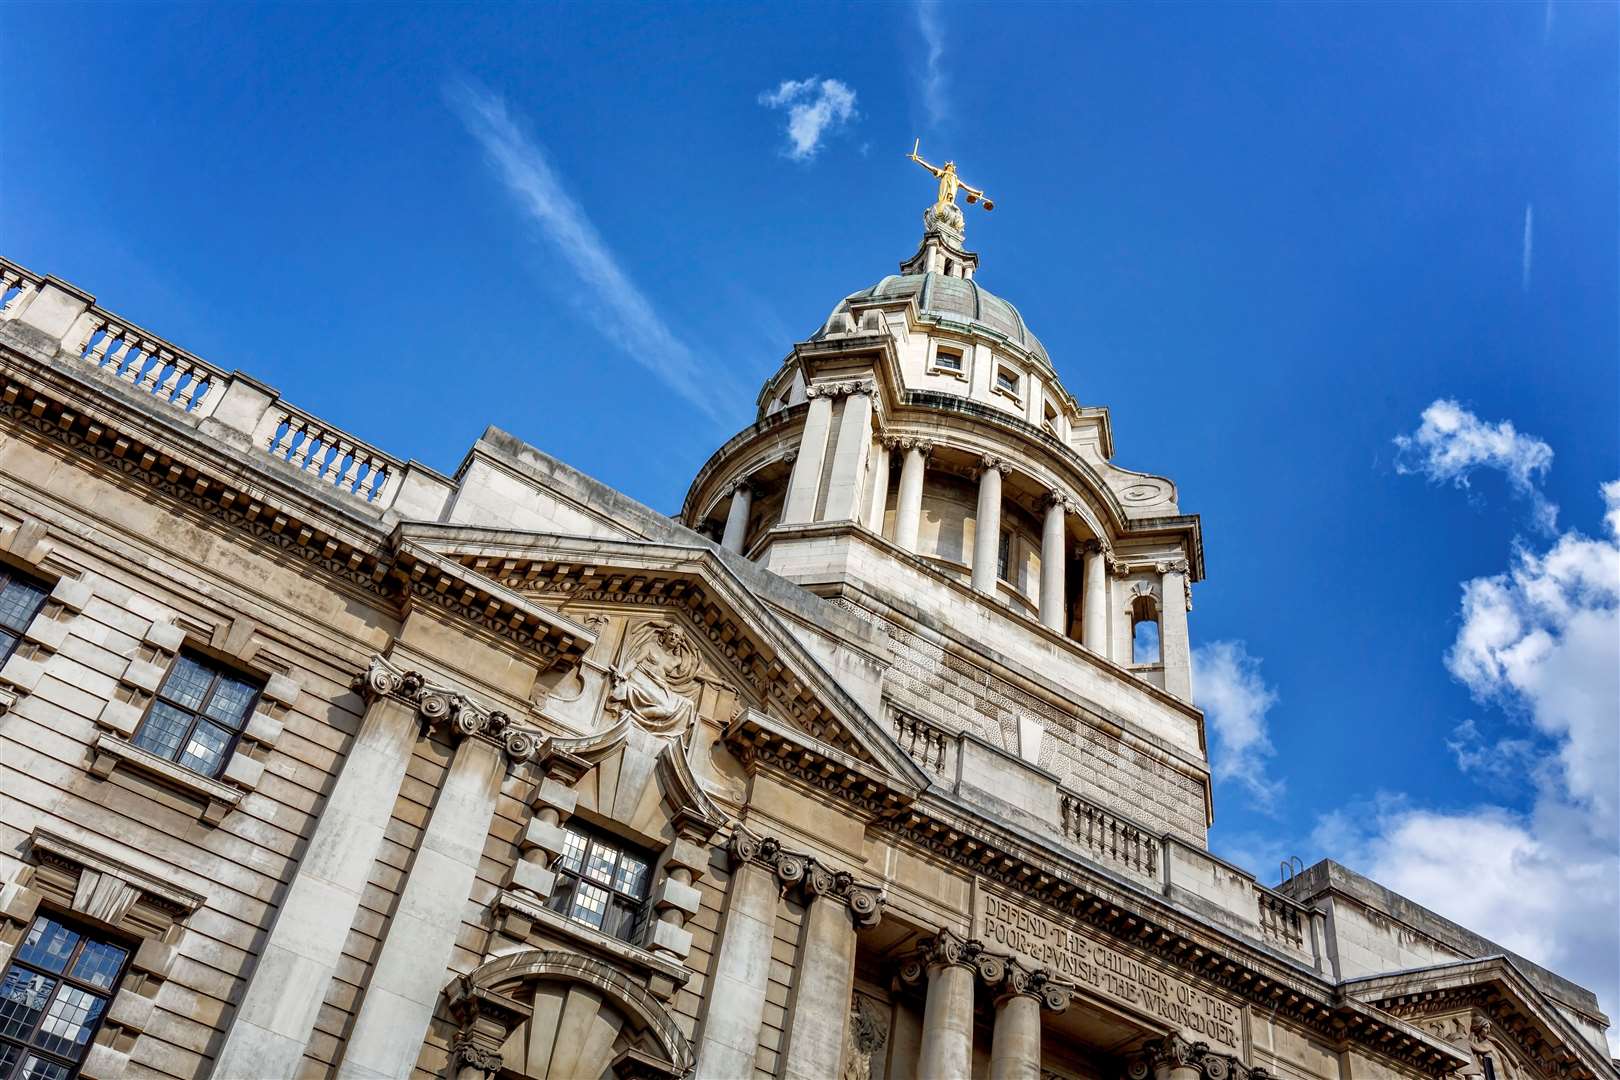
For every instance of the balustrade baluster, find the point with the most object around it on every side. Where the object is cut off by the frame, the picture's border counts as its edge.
(14, 306)
(109, 336)
(161, 358)
(171, 384)
(188, 392)
(135, 358)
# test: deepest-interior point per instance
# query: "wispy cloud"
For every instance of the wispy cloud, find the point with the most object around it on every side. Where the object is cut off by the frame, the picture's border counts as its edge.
(627, 316)
(932, 29)
(1527, 249)
(1235, 698)
(1452, 443)
(816, 107)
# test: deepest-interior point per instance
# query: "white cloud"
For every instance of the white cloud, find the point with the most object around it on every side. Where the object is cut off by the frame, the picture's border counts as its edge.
(932, 30)
(816, 107)
(1452, 443)
(1542, 641)
(627, 316)
(1235, 700)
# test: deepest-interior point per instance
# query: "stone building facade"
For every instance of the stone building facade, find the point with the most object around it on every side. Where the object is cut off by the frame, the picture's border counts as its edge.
(877, 762)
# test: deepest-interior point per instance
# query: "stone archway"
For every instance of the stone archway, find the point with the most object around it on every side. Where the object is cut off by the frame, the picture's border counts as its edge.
(548, 1014)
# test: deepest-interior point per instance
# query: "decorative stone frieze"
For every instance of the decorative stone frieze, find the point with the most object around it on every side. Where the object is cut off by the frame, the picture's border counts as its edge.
(841, 388)
(449, 709)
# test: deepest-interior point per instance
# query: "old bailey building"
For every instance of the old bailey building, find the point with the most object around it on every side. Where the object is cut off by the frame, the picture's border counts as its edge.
(877, 762)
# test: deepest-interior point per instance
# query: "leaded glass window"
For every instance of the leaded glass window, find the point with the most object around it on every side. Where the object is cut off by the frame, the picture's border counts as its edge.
(601, 882)
(52, 998)
(20, 600)
(197, 715)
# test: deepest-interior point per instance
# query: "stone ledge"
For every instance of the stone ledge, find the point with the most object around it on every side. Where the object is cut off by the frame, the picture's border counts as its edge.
(218, 799)
(664, 976)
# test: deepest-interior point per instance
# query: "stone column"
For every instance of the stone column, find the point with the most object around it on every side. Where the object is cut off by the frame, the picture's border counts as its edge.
(987, 525)
(947, 1034)
(1094, 600)
(409, 972)
(1054, 556)
(880, 485)
(908, 502)
(736, 1005)
(288, 985)
(846, 479)
(1175, 650)
(835, 908)
(1021, 994)
(742, 500)
(805, 483)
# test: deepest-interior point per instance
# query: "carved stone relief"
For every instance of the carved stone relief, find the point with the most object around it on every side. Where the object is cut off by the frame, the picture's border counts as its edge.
(866, 1033)
(654, 683)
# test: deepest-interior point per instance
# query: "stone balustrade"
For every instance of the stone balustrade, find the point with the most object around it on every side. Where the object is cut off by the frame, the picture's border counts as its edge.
(1109, 838)
(117, 349)
(1282, 920)
(931, 747)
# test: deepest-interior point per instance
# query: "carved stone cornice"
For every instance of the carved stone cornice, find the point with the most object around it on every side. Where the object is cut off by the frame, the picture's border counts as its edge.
(448, 708)
(801, 873)
(841, 388)
(1175, 1052)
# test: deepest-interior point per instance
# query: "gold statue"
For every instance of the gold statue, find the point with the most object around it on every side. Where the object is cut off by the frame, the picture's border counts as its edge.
(949, 182)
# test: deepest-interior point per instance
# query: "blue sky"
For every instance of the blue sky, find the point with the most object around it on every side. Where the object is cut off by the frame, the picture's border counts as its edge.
(1269, 238)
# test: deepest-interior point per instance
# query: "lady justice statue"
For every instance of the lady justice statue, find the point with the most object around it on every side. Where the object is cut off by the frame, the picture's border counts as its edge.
(945, 211)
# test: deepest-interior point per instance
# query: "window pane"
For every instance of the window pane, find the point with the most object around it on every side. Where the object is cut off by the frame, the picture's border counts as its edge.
(38, 1068)
(632, 877)
(67, 1027)
(49, 945)
(19, 603)
(8, 641)
(590, 904)
(205, 750)
(98, 964)
(573, 853)
(188, 682)
(163, 730)
(231, 701)
(9, 1055)
(22, 998)
(600, 865)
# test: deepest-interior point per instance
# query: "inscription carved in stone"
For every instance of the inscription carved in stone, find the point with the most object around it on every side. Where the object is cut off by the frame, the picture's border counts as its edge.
(1077, 957)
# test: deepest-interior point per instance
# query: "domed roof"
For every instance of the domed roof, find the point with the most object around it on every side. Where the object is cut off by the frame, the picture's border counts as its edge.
(956, 299)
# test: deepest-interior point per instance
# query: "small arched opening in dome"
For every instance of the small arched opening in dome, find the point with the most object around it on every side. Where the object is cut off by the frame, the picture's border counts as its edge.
(1145, 630)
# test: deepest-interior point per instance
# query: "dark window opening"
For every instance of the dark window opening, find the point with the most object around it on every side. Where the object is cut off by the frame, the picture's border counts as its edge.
(949, 359)
(197, 715)
(20, 600)
(53, 996)
(601, 882)
(1006, 380)
(1004, 556)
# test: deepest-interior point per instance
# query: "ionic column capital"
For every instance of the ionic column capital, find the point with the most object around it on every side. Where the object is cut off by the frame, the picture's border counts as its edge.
(1058, 499)
(944, 949)
(865, 902)
(923, 447)
(991, 461)
(1175, 1052)
(1037, 983)
(448, 708)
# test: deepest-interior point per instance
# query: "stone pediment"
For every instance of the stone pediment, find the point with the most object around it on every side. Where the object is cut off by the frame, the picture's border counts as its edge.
(1488, 1007)
(693, 586)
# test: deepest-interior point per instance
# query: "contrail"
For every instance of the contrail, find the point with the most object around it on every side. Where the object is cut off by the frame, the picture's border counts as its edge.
(631, 322)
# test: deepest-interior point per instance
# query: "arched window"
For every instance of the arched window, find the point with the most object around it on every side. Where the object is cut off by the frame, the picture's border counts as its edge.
(1144, 631)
